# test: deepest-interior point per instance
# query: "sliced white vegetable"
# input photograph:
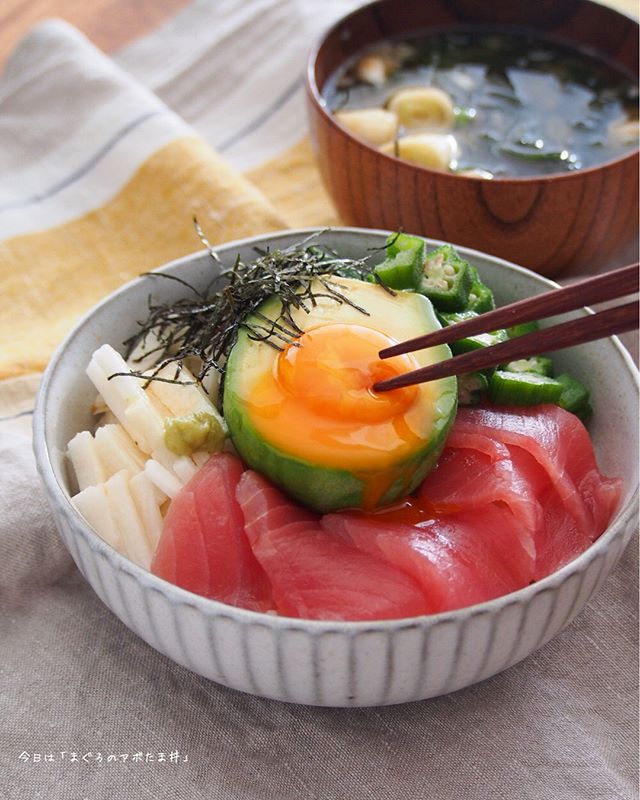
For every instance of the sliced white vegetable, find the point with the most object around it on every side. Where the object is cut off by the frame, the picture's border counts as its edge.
(162, 478)
(164, 456)
(431, 150)
(181, 398)
(125, 397)
(184, 468)
(92, 503)
(375, 125)
(425, 107)
(136, 544)
(86, 460)
(144, 424)
(145, 496)
(200, 458)
(118, 451)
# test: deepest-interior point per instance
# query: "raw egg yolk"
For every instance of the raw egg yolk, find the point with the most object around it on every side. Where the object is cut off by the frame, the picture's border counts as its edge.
(331, 369)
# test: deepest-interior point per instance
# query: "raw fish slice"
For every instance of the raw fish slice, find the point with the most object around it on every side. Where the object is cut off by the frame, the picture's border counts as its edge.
(314, 574)
(560, 444)
(469, 479)
(203, 546)
(559, 538)
(459, 559)
(447, 582)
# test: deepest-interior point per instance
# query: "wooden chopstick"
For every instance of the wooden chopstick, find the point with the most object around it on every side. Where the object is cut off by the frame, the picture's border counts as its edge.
(547, 340)
(609, 286)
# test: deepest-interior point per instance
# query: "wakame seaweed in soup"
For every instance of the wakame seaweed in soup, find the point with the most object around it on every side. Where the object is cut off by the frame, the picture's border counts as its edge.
(506, 103)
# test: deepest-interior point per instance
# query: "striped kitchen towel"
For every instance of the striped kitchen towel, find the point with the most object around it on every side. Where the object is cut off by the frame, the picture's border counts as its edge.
(106, 161)
(101, 181)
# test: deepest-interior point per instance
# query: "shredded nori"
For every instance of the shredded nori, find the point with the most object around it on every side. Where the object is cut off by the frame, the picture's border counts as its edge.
(205, 324)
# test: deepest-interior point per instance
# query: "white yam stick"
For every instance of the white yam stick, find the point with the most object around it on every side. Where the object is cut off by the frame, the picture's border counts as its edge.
(92, 503)
(135, 542)
(181, 398)
(184, 468)
(117, 451)
(160, 407)
(142, 418)
(162, 478)
(86, 461)
(145, 496)
(125, 397)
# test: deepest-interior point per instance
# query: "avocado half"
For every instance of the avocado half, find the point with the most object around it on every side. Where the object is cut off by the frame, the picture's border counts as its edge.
(293, 462)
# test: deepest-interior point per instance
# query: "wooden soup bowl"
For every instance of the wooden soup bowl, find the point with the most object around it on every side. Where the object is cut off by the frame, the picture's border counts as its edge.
(586, 220)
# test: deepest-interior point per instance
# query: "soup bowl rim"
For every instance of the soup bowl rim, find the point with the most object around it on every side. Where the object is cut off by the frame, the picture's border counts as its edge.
(316, 97)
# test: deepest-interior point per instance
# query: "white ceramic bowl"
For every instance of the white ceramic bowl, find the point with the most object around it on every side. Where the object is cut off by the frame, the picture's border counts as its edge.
(333, 663)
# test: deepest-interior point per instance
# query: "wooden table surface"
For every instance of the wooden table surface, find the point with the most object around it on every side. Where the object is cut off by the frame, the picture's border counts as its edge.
(112, 23)
(108, 23)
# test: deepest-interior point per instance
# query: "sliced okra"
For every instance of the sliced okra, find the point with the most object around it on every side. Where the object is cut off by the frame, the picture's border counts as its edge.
(403, 265)
(480, 295)
(538, 365)
(522, 329)
(574, 397)
(471, 342)
(523, 388)
(471, 388)
(446, 279)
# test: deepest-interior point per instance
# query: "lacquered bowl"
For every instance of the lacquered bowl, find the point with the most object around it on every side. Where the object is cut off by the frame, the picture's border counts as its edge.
(331, 663)
(583, 220)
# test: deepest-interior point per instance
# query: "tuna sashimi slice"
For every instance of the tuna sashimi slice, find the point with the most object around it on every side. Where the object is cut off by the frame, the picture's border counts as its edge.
(459, 559)
(540, 462)
(314, 574)
(469, 479)
(560, 444)
(559, 538)
(203, 546)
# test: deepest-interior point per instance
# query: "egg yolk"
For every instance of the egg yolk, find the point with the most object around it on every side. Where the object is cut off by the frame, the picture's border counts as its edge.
(331, 369)
(317, 404)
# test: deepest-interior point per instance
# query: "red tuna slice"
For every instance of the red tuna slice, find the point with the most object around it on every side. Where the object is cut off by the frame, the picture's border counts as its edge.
(559, 539)
(469, 479)
(459, 559)
(315, 575)
(560, 444)
(203, 546)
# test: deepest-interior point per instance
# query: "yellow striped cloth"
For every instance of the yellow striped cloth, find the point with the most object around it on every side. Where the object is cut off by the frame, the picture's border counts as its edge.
(87, 209)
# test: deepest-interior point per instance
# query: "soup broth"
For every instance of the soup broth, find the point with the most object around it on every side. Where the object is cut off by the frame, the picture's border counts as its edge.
(506, 103)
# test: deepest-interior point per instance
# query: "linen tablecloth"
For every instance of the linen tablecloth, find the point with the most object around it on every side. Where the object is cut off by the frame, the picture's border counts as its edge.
(104, 162)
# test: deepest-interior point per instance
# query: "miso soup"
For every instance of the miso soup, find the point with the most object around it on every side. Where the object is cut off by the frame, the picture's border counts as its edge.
(500, 103)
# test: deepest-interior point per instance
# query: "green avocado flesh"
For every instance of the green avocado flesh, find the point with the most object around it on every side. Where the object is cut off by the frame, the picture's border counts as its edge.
(301, 463)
